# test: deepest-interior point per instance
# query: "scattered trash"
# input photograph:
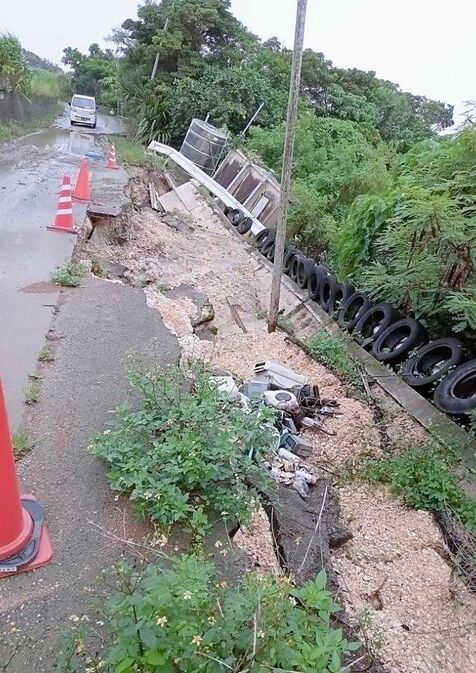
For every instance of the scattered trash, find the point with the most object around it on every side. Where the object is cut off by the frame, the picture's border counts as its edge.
(299, 405)
(280, 376)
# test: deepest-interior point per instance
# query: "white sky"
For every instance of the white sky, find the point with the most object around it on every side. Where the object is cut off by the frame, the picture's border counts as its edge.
(427, 46)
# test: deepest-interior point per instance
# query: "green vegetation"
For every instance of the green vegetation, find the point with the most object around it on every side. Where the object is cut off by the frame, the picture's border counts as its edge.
(94, 74)
(21, 443)
(32, 393)
(14, 68)
(188, 454)
(49, 84)
(133, 153)
(402, 227)
(184, 619)
(69, 275)
(46, 355)
(331, 350)
(425, 477)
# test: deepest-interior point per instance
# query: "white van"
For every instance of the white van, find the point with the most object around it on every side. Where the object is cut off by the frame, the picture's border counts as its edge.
(83, 110)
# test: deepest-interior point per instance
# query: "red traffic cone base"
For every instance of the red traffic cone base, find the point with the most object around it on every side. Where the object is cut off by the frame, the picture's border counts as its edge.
(24, 541)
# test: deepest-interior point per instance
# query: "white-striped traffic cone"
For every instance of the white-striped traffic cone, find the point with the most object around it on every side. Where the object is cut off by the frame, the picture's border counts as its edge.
(112, 163)
(64, 214)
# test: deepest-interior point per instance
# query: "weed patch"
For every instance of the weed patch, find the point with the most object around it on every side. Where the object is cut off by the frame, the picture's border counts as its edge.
(332, 352)
(69, 275)
(188, 454)
(46, 355)
(21, 443)
(32, 393)
(132, 153)
(184, 619)
(422, 475)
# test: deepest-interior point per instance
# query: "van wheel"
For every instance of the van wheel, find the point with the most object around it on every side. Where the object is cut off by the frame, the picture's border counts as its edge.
(93, 126)
(72, 123)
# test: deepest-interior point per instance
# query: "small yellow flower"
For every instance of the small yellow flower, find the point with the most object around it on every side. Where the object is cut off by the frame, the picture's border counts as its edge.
(211, 620)
(224, 552)
(187, 595)
(292, 600)
(161, 621)
(261, 634)
(196, 640)
(74, 618)
(218, 543)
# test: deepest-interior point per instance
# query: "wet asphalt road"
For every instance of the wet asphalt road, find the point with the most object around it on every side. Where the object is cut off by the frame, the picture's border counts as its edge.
(31, 171)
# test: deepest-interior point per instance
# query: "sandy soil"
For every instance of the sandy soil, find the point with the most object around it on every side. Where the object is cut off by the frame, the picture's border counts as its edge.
(396, 580)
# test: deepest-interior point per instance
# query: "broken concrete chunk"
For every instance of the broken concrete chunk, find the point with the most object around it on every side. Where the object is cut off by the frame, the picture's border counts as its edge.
(204, 313)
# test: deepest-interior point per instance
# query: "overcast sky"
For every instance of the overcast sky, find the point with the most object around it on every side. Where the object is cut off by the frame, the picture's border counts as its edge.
(427, 46)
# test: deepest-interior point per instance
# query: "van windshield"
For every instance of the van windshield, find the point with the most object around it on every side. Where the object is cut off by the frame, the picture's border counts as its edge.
(83, 103)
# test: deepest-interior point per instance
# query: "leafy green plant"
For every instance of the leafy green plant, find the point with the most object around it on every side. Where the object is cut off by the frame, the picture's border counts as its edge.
(188, 454)
(184, 619)
(332, 351)
(424, 476)
(46, 355)
(69, 275)
(32, 393)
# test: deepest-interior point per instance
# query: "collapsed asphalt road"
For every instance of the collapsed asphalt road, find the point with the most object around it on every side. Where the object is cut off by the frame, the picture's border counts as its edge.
(31, 169)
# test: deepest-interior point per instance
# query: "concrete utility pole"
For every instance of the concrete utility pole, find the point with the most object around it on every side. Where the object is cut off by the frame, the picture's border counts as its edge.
(287, 164)
(157, 56)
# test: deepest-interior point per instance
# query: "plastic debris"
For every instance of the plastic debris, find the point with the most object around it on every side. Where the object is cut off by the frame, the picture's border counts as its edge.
(280, 376)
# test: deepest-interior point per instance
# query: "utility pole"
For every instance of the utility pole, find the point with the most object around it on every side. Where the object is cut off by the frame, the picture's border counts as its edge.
(287, 164)
(156, 62)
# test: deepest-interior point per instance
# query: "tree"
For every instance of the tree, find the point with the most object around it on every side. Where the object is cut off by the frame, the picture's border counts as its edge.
(94, 74)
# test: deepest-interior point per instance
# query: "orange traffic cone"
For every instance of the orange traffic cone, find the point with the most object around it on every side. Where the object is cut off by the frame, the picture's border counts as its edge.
(112, 163)
(82, 191)
(24, 541)
(64, 214)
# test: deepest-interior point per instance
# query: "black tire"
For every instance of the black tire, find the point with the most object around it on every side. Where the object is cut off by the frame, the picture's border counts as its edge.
(373, 322)
(314, 282)
(431, 362)
(304, 269)
(395, 342)
(226, 210)
(244, 226)
(270, 252)
(343, 292)
(293, 271)
(352, 310)
(268, 242)
(288, 258)
(456, 394)
(261, 238)
(235, 216)
(328, 289)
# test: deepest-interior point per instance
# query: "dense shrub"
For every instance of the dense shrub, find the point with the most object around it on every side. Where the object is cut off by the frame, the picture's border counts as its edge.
(187, 454)
(184, 619)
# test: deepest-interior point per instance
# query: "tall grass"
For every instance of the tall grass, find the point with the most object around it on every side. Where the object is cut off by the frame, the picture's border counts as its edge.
(50, 84)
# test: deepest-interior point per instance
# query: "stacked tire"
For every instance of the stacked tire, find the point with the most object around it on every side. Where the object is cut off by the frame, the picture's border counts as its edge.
(434, 369)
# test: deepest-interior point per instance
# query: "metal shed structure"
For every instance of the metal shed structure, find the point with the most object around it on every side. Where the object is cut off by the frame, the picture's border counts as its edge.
(253, 186)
